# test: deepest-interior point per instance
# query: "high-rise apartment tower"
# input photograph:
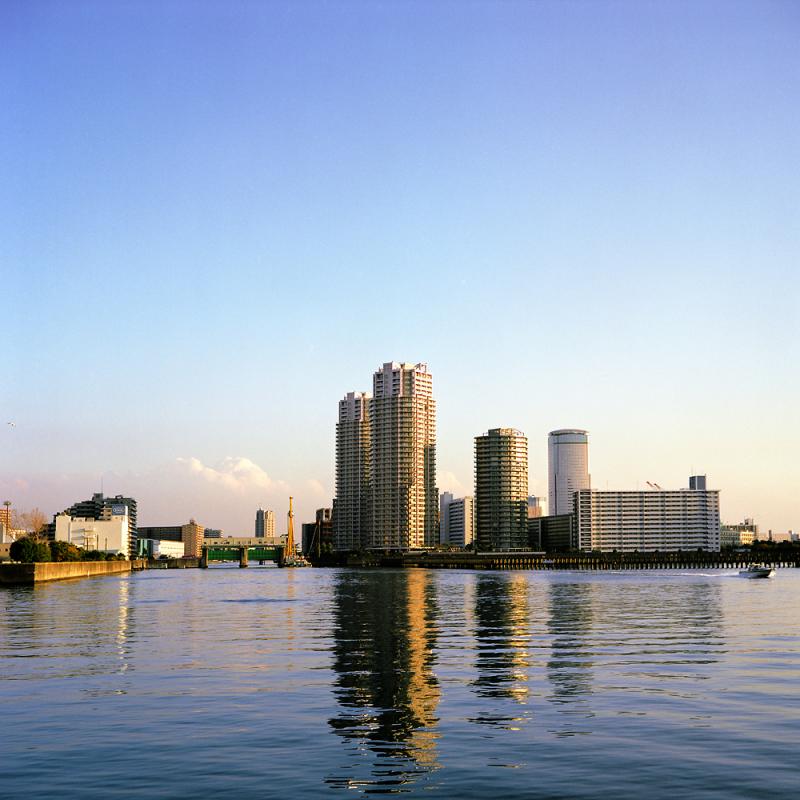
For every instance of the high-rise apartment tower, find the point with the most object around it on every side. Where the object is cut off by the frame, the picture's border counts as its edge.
(568, 463)
(351, 517)
(265, 524)
(404, 497)
(501, 490)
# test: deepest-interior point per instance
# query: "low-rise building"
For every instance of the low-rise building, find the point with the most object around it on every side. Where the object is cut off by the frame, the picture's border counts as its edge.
(743, 533)
(191, 534)
(322, 527)
(555, 534)
(157, 548)
(9, 535)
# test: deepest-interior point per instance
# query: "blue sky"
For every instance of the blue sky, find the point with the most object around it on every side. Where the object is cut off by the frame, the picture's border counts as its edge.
(216, 219)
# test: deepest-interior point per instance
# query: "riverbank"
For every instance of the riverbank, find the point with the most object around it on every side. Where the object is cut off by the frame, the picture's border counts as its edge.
(45, 571)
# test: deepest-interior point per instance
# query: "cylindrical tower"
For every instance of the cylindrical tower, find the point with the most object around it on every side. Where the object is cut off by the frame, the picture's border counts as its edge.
(568, 465)
(501, 490)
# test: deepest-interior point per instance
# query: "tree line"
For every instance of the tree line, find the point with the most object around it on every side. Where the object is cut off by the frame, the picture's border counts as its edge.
(33, 549)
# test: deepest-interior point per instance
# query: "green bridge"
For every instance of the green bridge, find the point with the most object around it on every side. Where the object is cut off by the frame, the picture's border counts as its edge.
(242, 552)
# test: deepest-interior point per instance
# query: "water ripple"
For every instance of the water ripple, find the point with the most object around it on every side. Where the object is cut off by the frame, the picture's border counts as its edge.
(292, 682)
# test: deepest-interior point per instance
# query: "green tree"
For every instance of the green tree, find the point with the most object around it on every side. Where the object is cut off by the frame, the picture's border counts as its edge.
(29, 550)
(64, 551)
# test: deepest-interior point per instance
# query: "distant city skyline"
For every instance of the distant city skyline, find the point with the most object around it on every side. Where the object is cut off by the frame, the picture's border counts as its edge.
(217, 223)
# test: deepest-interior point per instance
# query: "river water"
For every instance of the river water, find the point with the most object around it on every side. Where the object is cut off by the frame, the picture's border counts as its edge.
(448, 684)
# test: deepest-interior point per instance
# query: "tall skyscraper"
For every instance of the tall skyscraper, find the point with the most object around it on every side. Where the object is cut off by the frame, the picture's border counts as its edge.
(351, 517)
(404, 496)
(265, 524)
(568, 462)
(501, 490)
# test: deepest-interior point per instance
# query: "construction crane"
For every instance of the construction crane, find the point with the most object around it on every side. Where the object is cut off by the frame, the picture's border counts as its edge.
(290, 532)
(290, 557)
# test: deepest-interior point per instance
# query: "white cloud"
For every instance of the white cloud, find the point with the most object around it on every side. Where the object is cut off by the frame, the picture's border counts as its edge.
(448, 482)
(236, 473)
(316, 488)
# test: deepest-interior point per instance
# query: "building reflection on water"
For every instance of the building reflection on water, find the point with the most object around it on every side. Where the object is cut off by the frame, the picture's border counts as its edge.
(569, 667)
(502, 618)
(605, 637)
(383, 653)
(60, 629)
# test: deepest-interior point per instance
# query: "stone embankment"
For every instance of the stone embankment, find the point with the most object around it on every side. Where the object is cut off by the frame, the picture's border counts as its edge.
(31, 574)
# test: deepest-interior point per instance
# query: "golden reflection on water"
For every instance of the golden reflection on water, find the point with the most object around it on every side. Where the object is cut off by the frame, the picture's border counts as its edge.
(384, 652)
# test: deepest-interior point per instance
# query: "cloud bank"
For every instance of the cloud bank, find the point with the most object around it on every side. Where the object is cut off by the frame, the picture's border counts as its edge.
(236, 473)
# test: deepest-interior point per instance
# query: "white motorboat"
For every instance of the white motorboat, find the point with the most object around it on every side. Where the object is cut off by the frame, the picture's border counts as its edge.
(757, 571)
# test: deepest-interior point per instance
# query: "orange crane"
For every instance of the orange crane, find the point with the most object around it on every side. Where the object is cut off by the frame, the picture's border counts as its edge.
(290, 533)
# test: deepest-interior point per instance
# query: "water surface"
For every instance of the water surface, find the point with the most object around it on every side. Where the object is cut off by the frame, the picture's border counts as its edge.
(304, 683)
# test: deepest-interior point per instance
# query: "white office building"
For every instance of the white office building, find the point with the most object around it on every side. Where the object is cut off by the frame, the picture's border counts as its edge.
(646, 521)
(351, 518)
(568, 467)
(404, 497)
(110, 534)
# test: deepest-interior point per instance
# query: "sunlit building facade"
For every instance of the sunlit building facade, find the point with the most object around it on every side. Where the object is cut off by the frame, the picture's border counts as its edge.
(646, 521)
(109, 533)
(743, 533)
(404, 497)
(99, 507)
(352, 507)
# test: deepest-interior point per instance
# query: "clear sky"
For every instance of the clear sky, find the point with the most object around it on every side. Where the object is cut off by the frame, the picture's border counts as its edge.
(216, 218)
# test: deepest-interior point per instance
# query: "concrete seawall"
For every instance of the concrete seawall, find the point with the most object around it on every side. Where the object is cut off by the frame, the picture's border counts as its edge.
(30, 574)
